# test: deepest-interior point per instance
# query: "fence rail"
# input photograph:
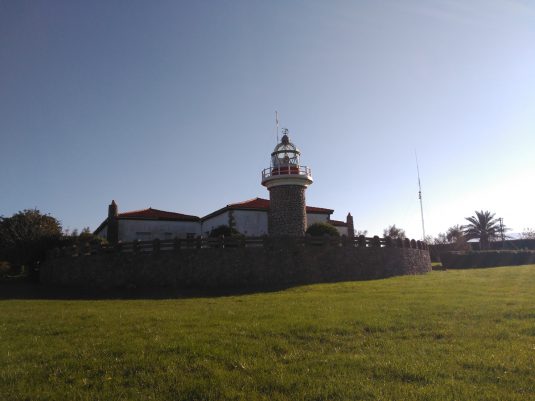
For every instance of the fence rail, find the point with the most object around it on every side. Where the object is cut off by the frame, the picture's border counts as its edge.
(177, 244)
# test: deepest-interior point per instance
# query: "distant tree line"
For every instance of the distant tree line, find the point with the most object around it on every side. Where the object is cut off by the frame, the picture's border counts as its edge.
(28, 235)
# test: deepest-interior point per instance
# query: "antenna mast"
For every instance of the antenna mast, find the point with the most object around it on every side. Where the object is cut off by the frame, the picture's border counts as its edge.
(277, 124)
(420, 196)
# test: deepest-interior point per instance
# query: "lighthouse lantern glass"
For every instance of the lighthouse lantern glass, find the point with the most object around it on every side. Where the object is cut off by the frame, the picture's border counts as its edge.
(285, 154)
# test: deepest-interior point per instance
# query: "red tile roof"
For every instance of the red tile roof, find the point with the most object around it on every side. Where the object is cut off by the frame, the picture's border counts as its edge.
(255, 203)
(155, 214)
(338, 223)
(260, 204)
(263, 204)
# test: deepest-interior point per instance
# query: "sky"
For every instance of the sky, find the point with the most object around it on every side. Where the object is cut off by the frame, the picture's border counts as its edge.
(171, 105)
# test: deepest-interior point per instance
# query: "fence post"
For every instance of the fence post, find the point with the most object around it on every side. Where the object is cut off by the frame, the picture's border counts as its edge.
(362, 241)
(156, 245)
(96, 247)
(376, 242)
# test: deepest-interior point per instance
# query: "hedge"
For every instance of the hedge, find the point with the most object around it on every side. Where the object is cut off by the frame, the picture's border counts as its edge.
(475, 259)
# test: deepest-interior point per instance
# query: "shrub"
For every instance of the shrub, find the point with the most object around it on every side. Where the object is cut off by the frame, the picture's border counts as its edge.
(224, 230)
(321, 229)
(5, 267)
(475, 259)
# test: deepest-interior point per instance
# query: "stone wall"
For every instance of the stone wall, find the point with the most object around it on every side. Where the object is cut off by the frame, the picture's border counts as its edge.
(267, 266)
(287, 211)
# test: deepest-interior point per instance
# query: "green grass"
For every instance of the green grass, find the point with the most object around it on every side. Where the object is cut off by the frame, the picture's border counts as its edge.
(453, 335)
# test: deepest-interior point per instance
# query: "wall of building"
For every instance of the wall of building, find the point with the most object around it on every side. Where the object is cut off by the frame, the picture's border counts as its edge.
(252, 223)
(316, 218)
(102, 233)
(144, 230)
(341, 230)
(271, 265)
(213, 222)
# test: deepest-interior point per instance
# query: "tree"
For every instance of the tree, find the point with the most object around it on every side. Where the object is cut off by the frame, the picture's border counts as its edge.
(358, 233)
(26, 236)
(320, 229)
(455, 234)
(394, 232)
(483, 226)
(528, 233)
(78, 238)
(440, 239)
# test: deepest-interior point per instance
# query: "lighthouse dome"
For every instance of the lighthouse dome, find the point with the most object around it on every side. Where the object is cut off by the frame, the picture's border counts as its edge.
(285, 153)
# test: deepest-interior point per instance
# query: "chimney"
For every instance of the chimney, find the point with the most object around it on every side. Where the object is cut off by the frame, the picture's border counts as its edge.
(113, 224)
(350, 226)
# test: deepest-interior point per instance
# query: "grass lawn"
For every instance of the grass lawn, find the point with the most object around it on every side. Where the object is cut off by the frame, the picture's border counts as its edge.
(451, 335)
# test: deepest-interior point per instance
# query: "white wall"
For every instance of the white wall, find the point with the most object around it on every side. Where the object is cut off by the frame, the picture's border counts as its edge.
(144, 230)
(316, 218)
(251, 223)
(103, 233)
(213, 222)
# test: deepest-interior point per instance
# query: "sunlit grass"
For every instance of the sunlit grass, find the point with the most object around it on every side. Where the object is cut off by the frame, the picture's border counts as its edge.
(452, 335)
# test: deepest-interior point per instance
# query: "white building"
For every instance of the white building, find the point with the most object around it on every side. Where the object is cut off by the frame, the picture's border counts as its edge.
(249, 217)
(148, 224)
(285, 176)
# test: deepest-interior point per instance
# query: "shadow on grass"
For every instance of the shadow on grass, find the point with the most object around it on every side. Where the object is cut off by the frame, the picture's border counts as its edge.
(25, 289)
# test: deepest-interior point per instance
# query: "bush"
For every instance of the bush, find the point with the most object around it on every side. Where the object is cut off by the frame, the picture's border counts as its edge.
(5, 267)
(475, 259)
(321, 229)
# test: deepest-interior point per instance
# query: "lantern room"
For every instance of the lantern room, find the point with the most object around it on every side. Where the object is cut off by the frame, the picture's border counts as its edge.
(285, 153)
(285, 168)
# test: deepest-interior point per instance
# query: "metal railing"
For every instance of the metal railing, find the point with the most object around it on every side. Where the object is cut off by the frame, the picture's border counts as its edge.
(286, 170)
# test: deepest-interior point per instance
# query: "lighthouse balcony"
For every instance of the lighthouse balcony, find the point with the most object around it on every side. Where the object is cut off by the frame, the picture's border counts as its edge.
(288, 170)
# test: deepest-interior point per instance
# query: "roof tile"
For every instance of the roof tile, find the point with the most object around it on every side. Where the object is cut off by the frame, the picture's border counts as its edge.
(155, 214)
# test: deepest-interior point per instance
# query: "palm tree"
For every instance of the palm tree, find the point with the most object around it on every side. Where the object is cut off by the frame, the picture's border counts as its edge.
(483, 226)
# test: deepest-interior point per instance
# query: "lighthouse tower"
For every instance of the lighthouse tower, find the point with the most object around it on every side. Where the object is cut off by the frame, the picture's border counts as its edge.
(286, 181)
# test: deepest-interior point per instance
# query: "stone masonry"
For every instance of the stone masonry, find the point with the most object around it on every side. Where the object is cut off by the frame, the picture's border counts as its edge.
(274, 264)
(287, 211)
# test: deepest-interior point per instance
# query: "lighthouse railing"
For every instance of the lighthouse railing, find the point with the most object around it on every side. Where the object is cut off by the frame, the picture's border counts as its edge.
(286, 170)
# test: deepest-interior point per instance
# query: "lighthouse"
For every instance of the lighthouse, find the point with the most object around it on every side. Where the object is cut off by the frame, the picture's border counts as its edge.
(286, 179)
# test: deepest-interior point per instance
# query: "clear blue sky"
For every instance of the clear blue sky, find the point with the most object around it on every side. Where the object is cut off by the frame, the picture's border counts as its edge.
(171, 104)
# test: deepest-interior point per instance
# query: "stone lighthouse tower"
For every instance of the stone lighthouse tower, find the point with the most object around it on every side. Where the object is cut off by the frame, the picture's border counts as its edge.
(286, 181)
